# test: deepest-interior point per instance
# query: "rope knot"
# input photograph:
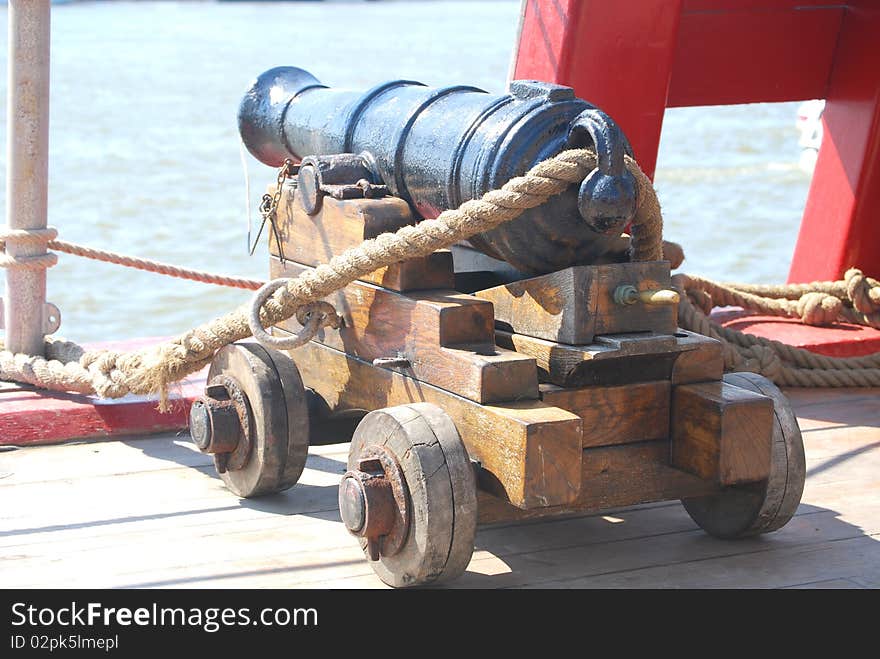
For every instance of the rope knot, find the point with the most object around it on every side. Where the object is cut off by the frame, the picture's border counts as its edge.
(817, 308)
(863, 292)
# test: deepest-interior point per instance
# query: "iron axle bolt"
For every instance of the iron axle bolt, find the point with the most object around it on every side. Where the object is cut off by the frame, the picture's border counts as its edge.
(214, 425)
(352, 505)
(366, 501)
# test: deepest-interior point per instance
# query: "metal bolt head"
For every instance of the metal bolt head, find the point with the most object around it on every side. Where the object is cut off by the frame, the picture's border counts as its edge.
(374, 501)
(366, 502)
(200, 424)
(214, 425)
(626, 294)
(352, 504)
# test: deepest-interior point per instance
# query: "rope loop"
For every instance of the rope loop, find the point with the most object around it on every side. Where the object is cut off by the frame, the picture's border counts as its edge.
(30, 238)
(34, 237)
(816, 304)
(35, 262)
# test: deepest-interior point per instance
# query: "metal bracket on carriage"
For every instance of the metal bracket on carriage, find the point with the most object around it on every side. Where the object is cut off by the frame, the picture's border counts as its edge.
(341, 176)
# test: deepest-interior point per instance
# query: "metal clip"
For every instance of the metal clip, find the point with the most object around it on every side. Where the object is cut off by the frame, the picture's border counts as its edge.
(269, 209)
(392, 362)
(340, 176)
(51, 317)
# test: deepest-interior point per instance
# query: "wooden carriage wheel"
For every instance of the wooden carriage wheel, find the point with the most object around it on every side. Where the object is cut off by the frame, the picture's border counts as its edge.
(277, 416)
(747, 510)
(429, 510)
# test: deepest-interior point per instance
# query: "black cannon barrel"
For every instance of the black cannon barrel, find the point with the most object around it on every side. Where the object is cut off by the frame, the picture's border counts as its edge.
(439, 147)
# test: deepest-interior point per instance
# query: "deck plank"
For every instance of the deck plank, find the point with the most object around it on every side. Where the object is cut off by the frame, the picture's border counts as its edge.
(149, 512)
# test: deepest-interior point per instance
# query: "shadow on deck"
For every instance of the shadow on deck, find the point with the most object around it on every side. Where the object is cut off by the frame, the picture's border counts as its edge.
(152, 513)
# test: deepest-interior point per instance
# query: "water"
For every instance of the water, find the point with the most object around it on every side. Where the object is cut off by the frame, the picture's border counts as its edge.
(145, 153)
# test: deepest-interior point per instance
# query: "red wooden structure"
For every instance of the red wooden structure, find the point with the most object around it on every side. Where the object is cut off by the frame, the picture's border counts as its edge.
(635, 59)
(35, 416)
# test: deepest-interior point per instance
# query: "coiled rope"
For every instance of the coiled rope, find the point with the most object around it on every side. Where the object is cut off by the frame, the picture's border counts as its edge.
(855, 299)
(112, 374)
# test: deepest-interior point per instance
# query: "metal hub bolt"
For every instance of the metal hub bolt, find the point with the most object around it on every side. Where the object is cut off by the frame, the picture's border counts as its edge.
(214, 425)
(366, 502)
(372, 503)
(352, 504)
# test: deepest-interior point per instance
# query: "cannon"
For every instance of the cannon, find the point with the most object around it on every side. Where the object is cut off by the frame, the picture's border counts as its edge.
(439, 147)
(467, 397)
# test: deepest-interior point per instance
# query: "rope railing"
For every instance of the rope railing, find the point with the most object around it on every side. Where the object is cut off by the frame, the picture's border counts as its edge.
(49, 238)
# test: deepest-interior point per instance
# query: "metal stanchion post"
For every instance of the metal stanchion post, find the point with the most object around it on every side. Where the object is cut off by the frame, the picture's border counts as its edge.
(27, 174)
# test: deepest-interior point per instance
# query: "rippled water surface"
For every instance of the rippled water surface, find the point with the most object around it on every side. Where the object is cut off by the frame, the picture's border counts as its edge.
(145, 153)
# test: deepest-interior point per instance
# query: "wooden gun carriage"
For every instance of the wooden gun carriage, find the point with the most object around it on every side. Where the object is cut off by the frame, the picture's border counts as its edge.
(473, 396)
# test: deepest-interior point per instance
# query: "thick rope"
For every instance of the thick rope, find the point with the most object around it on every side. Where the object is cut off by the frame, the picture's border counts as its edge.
(863, 292)
(112, 374)
(821, 303)
(855, 299)
(48, 237)
(30, 237)
(155, 266)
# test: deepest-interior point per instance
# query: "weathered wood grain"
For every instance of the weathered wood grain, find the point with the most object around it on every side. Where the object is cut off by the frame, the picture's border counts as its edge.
(721, 432)
(609, 360)
(613, 476)
(574, 305)
(616, 415)
(634, 473)
(768, 505)
(703, 364)
(441, 493)
(445, 337)
(342, 225)
(529, 452)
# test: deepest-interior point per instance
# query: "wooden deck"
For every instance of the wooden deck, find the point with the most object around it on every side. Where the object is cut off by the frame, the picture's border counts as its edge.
(150, 512)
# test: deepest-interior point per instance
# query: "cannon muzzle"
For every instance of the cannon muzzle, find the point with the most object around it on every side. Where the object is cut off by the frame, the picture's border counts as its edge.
(440, 147)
